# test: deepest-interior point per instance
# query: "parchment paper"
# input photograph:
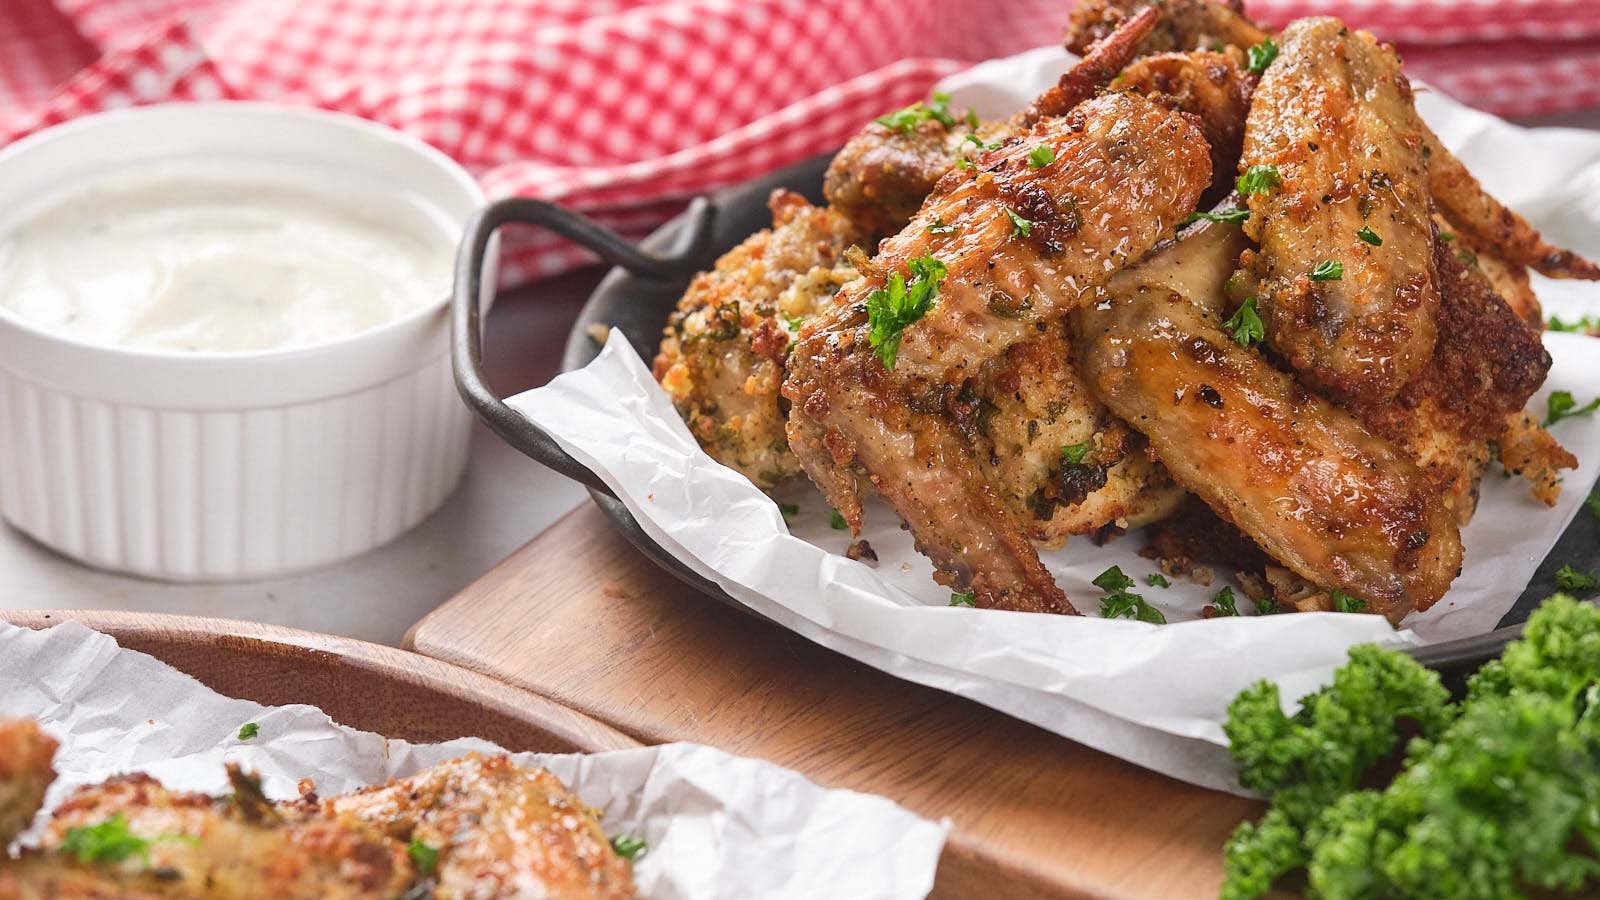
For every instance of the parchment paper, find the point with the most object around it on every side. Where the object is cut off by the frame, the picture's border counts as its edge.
(718, 826)
(1155, 695)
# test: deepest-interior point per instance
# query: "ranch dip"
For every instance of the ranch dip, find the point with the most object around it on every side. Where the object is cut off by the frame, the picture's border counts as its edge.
(198, 261)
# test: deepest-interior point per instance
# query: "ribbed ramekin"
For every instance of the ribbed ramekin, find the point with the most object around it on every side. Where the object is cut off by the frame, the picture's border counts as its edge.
(187, 466)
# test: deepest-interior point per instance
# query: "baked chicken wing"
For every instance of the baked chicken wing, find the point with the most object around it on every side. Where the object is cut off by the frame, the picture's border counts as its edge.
(26, 754)
(1018, 245)
(1336, 504)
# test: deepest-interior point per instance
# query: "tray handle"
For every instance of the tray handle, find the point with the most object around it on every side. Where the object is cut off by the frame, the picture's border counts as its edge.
(466, 332)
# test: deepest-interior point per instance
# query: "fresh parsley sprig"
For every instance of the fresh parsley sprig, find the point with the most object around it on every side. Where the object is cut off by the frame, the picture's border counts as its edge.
(1561, 405)
(1119, 603)
(1262, 55)
(1245, 324)
(1258, 180)
(1328, 270)
(906, 120)
(894, 307)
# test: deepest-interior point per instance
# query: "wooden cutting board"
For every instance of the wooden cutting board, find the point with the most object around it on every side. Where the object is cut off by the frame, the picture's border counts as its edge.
(579, 616)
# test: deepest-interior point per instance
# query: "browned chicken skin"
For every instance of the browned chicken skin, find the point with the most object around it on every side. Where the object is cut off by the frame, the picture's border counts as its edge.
(1337, 505)
(1183, 24)
(1214, 87)
(501, 831)
(1333, 116)
(879, 179)
(26, 754)
(497, 829)
(1124, 173)
(199, 846)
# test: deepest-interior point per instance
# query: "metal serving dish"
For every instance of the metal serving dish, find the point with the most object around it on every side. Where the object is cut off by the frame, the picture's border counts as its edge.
(642, 289)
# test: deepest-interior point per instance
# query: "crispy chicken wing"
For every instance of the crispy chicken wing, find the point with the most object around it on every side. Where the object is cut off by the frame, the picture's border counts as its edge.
(26, 754)
(501, 830)
(881, 176)
(1214, 87)
(193, 845)
(1333, 118)
(1026, 244)
(1489, 223)
(1487, 364)
(1334, 503)
(723, 350)
(1183, 24)
(1061, 463)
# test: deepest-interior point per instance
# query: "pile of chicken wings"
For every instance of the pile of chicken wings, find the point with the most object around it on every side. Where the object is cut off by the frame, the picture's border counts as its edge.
(1216, 278)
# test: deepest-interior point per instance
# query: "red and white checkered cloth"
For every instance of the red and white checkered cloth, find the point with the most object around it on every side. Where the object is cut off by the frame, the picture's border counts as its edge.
(623, 108)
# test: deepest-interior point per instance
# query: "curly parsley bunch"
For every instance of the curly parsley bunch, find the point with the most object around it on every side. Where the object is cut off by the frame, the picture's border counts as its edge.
(1498, 797)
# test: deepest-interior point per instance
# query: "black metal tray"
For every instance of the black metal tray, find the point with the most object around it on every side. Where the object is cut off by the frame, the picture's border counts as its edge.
(642, 289)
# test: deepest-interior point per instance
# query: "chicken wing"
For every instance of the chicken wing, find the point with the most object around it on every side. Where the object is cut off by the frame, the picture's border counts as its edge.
(1023, 244)
(1334, 503)
(1060, 462)
(1336, 148)
(1490, 223)
(881, 176)
(1213, 87)
(159, 843)
(26, 754)
(1183, 24)
(723, 350)
(500, 830)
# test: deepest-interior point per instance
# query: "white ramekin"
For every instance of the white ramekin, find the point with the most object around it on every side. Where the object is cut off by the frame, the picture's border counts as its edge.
(193, 467)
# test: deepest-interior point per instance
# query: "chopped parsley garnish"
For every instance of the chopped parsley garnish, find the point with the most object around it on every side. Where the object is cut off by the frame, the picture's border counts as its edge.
(1586, 323)
(426, 858)
(1119, 603)
(966, 164)
(1258, 180)
(972, 119)
(1345, 603)
(1262, 55)
(837, 521)
(1041, 156)
(1328, 270)
(1370, 236)
(794, 322)
(906, 120)
(978, 141)
(789, 509)
(1224, 603)
(963, 598)
(629, 847)
(1245, 324)
(1266, 606)
(1074, 453)
(1235, 216)
(1570, 579)
(110, 841)
(1446, 236)
(1562, 406)
(939, 227)
(248, 730)
(1156, 579)
(891, 309)
(1019, 225)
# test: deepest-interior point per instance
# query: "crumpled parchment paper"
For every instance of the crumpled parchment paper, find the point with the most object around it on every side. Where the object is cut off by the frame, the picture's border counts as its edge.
(717, 826)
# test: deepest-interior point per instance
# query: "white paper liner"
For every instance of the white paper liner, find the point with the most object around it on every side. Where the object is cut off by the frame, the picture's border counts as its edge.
(718, 826)
(1155, 695)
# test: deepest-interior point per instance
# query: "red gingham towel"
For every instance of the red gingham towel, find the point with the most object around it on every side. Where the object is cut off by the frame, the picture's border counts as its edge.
(622, 108)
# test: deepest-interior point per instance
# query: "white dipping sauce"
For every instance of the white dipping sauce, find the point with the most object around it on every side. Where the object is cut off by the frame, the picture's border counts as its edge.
(159, 260)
